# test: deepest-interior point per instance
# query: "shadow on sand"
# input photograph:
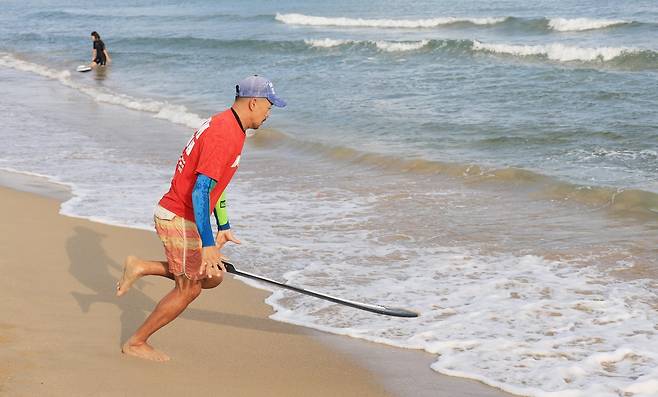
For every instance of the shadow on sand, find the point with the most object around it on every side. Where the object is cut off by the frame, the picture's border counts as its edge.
(135, 305)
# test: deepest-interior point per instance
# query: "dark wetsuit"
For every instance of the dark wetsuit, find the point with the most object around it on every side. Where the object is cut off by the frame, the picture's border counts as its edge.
(99, 46)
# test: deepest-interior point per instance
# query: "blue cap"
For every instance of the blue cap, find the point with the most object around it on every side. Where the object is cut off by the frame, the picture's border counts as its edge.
(258, 87)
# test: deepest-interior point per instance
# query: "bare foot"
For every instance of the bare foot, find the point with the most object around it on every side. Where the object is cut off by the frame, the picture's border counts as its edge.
(145, 351)
(131, 272)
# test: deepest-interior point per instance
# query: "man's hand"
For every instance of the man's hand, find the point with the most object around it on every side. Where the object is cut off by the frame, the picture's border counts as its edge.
(223, 237)
(211, 261)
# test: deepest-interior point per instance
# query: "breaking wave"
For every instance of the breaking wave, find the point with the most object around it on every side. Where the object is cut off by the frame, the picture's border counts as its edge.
(301, 19)
(580, 24)
(531, 24)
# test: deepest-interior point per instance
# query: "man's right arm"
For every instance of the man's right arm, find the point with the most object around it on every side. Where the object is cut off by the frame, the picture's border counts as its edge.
(201, 205)
(210, 257)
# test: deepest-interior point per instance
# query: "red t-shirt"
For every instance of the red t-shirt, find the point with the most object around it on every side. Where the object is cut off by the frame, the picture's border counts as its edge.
(214, 150)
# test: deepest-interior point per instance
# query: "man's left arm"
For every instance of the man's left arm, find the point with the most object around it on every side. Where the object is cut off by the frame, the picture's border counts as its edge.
(224, 233)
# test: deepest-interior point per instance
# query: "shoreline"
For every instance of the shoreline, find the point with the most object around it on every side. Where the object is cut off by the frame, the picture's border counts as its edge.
(373, 369)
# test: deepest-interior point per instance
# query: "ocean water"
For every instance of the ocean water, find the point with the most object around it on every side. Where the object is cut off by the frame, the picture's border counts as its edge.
(493, 165)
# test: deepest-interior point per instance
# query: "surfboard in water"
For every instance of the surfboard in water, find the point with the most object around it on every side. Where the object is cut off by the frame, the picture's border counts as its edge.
(379, 309)
(83, 68)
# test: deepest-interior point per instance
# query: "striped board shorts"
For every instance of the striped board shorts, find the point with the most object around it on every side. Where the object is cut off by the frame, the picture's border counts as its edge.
(182, 243)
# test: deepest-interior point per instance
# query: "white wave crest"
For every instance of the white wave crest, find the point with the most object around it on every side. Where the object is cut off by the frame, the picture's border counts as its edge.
(326, 43)
(579, 24)
(301, 19)
(392, 46)
(556, 52)
(388, 46)
(175, 113)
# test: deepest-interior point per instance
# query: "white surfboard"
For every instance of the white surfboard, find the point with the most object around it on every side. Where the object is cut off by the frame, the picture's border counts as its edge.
(83, 68)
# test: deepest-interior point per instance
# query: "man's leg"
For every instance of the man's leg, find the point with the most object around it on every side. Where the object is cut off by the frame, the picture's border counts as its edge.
(168, 308)
(134, 268)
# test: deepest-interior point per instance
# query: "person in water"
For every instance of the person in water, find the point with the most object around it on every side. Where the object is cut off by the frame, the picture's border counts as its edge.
(99, 54)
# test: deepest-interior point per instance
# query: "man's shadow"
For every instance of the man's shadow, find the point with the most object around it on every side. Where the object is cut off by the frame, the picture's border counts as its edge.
(135, 306)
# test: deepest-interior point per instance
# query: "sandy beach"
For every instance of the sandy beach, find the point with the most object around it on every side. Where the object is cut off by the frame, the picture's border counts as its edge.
(62, 326)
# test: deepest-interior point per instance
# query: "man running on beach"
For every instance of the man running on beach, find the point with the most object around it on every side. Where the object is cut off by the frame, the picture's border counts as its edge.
(182, 217)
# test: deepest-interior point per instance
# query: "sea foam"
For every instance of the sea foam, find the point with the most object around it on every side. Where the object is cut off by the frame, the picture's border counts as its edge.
(556, 51)
(301, 19)
(383, 45)
(556, 24)
(326, 43)
(527, 325)
(389, 46)
(580, 24)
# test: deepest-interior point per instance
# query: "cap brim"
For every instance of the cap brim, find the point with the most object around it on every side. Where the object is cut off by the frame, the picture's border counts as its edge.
(276, 101)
